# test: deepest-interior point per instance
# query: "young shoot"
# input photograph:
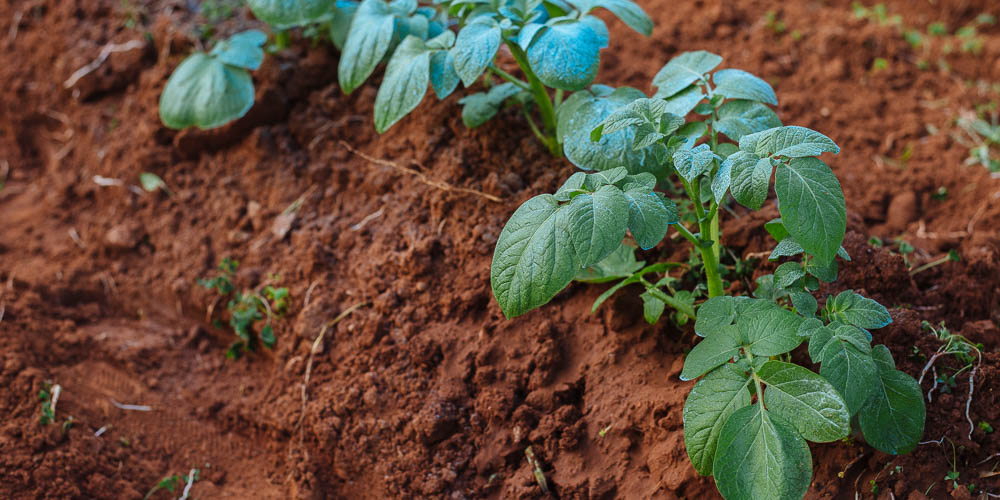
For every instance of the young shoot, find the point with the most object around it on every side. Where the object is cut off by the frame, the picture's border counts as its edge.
(247, 308)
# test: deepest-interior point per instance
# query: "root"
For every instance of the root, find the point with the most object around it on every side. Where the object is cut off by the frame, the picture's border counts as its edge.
(421, 176)
(312, 355)
(968, 402)
(106, 51)
(930, 398)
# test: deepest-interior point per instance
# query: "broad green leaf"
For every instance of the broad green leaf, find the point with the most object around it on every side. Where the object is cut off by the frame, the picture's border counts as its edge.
(692, 162)
(826, 272)
(626, 10)
(848, 365)
(684, 70)
(738, 84)
(585, 110)
(242, 50)
(769, 330)
(564, 55)
(751, 179)
(812, 206)
(712, 400)
(765, 458)
(789, 141)
(691, 132)
(713, 351)
(805, 400)
(572, 186)
(741, 117)
(341, 25)
(267, 336)
(405, 83)
(649, 216)
(786, 248)
(714, 315)
(776, 229)
(805, 304)
(644, 116)
(534, 257)
(367, 43)
(475, 48)
(892, 420)
(600, 28)
(206, 93)
(652, 308)
(684, 101)
(478, 108)
(787, 274)
(605, 178)
(722, 180)
(286, 14)
(620, 264)
(597, 223)
(862, 312)
(444, 79)
(643, 180)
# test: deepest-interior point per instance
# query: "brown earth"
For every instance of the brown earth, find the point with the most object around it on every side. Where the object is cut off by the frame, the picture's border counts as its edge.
(426, 391)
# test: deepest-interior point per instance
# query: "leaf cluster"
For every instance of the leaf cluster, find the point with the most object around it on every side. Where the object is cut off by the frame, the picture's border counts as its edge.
(247, 308)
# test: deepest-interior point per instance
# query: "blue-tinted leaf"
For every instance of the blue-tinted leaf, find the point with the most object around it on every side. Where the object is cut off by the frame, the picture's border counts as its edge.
(478, 108)
(475, 48)
(741, 117)
(285, 14)
(565, 55)
(788, 141)
(242, 50)
(690, 163)
(206, 93)
(341, 25)
(444, 79)
(684, 70)
(684, 101)
(649, 216)
(738, 84)
(367, 42)
(751, 178)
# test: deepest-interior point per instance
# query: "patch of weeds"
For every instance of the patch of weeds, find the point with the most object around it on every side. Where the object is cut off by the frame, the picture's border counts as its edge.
(982, 136)
(174, 484)
(247, 308)
(774, 23)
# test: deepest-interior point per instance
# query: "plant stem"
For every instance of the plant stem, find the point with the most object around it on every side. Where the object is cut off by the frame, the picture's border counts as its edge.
(709, 257)
(511, 78)
(669, 300)
(542, 99)
(687, 234)
(282, 40)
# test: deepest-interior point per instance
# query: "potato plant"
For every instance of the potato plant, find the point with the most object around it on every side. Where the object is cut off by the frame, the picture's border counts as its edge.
(748, 418)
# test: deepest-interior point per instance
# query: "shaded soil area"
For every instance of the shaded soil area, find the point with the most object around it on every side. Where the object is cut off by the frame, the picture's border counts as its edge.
(425, 391)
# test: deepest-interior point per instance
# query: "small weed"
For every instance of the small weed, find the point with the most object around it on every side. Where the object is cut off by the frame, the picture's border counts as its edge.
(982, 136)
(774, 23)
(940, 194)
(880, 64)
(952, 256)
(49, 396)
(985, 427)
(246, 308)
(173, 483)
(937, 29)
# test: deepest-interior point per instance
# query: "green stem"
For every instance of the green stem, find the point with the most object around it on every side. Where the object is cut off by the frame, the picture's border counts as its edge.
(510, 78)
(709, 257)
(687, 234)
(282, 40)
(534, 128)
(542, 99)
(669, 300)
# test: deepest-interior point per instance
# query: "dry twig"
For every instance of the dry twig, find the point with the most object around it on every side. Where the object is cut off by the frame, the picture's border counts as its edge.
(106, 51)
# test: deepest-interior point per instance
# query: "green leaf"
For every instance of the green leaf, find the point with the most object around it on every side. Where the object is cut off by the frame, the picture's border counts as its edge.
(267, 336)
(684, 101)
(692, 162)
(764, 458)
(597, 223)
(741, 117)
(787, 274)
(715, 314)
(620, 264)
(892, 420)
(444, 79)
(738, 84)
(205, 93)
(564, 55)
(367, 43)
(571, 187)
(789, 141)
(242, 50)
(341, 25)
(826, 272)
(475, 48)
(767, 329)
(652, 308)
(684, 70)
(722, 180)
(534, 257)
(644, 116)
(286, 14)
(716, 349)
(786, 248)
(605, 178)
(751, 178)
(806, 400)
(626, 10)
(582, 112)
(862, 312)
(712, 400)
(478, 108)
(776, 229)
(848, 365)
(151, 182)
(812, 206)
(805, 304)
(405, 83)
(649, 216)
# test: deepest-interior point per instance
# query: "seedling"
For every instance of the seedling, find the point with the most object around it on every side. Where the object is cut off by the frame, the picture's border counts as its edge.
(556, 45)
(985, 427)
(49, 396)
(173, 483)
(247, 308)
(213, 89)
(152, 182)
(749, 416)
(982, 137)
(952, 256)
